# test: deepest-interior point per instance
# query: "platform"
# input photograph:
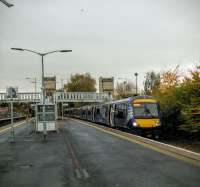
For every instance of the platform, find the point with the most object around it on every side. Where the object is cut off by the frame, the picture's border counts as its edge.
(80, 155)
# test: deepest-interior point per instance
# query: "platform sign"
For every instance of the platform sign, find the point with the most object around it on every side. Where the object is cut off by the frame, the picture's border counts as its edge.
(46, 118)
(11, 92)
(65, 104)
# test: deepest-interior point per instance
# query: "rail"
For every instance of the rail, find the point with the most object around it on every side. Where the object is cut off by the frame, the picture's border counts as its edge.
(7, 121)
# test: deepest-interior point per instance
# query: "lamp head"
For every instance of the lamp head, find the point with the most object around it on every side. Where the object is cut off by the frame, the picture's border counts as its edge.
(17, 49)
(64, 51)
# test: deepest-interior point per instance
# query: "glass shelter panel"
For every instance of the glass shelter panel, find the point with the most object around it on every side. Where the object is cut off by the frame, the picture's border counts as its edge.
(49, 108)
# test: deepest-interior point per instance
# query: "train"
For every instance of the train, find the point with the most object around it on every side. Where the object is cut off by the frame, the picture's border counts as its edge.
(139, 114)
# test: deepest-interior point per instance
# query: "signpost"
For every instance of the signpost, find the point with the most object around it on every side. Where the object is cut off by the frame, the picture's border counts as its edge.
(11, 93)
(63, 105)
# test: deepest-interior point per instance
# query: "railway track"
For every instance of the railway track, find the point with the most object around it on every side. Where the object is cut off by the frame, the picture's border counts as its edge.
(7, 121)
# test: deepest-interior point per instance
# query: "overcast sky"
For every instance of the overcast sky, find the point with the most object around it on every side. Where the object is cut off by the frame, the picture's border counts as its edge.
(108, 38)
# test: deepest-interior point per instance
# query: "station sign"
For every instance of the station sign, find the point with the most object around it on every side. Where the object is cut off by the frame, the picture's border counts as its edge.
(11, 92)
(65, 104)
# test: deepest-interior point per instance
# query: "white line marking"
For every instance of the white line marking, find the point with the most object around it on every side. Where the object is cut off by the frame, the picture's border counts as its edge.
(8, 128)
(78, 174)
(85, 173)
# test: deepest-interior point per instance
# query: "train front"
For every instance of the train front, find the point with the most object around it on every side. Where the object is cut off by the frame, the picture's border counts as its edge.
(146, 116)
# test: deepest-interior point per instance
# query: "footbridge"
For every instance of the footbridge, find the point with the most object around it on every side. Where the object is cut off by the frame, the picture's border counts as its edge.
(59, 97)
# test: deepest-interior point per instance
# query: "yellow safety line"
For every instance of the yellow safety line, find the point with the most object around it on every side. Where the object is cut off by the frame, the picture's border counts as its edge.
(16, 125)
(177, 156)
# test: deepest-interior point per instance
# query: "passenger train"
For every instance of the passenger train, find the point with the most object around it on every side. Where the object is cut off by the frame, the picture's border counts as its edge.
(140, 114)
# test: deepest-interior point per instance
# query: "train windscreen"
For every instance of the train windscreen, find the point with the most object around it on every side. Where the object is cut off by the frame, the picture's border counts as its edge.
(146, 110)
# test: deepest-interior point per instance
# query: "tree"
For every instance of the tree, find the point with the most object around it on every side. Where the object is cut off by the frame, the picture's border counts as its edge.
(191, 110)
(125, 89)
(81, 83)
(152, 82)
(170, 78)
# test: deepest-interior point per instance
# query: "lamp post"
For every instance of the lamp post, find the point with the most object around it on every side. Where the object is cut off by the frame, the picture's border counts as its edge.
(62, 89)
(124, 84)
(136, 74)
(42, 57)
(35, 83)
(62, 80)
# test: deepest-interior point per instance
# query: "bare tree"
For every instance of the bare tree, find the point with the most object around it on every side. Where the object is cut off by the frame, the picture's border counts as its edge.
(125, 89)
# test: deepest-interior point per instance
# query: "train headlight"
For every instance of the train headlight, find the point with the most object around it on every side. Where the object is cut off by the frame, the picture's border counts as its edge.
(135, 124)
(158, 124)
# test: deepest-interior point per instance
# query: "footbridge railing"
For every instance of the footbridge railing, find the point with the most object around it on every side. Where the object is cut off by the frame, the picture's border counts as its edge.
(59, 97)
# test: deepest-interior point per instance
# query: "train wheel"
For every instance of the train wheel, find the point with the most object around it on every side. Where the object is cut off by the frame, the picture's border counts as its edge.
(156, 136)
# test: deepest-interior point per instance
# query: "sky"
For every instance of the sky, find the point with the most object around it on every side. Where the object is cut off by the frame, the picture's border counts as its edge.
(107, 38)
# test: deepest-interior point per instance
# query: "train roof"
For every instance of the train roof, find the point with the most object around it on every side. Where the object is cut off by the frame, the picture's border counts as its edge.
(143, 97)
(129, 99)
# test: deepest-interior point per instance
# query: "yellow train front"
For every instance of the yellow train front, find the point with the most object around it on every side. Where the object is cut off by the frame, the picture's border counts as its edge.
(146, 116)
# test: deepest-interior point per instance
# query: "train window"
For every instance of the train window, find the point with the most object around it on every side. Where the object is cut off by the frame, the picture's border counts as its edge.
(146, 110)
(121, 106)
(121, 110)
(98, 111)
(103, 112)
(107, 110)
(49, 108)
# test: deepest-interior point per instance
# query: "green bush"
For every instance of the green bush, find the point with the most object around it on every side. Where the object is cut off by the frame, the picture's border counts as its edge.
(180, 101)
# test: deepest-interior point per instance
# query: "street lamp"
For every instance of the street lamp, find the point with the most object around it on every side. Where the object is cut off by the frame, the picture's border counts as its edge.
(136, 74)
(124, 82)
(62, 83)
(42, 55)
(6, 3)
(34, 80)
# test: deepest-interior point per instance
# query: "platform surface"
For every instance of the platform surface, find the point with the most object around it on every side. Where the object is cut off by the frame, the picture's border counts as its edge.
(83, 156)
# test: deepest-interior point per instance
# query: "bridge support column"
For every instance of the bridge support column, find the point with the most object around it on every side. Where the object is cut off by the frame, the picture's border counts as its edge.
(12, 131)
(56, 110)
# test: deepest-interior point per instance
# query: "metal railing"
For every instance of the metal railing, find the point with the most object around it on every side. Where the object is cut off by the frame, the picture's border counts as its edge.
(60, 97)
(82, 97)
(22, 97)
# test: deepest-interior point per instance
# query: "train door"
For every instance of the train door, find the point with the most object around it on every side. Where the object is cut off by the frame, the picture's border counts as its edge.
(120, 114)
(97, 116)
(107, 115)
(93, 113)
(112, 115)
